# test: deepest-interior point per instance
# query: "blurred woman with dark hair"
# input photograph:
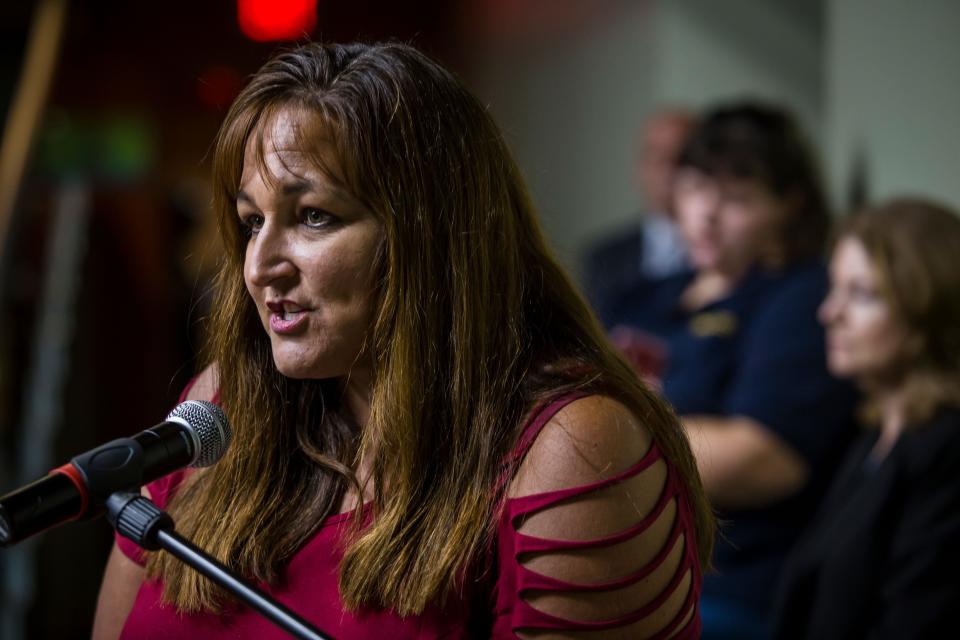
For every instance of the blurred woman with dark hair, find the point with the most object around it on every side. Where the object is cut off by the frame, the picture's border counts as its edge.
(432, 436)
(882, 558)
(741, 353)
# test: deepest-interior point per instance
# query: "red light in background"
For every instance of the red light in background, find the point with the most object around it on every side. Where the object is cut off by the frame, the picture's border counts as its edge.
(266, 20)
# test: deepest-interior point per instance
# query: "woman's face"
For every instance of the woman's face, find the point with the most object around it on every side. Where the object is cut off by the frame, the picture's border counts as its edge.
(728, 223)
(865, 338)
(309, 258)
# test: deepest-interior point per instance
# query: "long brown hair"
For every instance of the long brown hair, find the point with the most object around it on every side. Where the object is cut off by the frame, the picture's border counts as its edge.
(475, 323)
(914, 249)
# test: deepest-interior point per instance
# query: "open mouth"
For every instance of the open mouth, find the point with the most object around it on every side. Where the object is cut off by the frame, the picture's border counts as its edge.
(287, 322)
(286, 317)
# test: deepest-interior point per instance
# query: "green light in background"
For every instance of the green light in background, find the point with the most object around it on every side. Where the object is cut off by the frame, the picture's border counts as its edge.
(117, 148)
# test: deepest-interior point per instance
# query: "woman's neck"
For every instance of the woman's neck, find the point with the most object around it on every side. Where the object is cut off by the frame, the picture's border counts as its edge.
(357, 388)
(892, 405)
(356, 394)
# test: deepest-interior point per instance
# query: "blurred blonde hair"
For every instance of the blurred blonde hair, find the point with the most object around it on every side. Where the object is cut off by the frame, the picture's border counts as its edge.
(914, 249)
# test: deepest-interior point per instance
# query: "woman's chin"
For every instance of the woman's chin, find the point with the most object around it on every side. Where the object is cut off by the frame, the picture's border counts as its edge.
(707, 264)
(840, 368)
(297, 370)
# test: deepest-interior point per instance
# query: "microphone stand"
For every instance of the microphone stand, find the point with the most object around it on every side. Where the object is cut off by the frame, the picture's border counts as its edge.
(138, 519)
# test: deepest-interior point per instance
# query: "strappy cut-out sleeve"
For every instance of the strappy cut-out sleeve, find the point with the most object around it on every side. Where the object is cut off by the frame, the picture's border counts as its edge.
(611, 557)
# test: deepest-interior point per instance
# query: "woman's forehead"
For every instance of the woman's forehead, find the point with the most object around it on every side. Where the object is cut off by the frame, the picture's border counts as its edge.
(288, 130)
(290, 140)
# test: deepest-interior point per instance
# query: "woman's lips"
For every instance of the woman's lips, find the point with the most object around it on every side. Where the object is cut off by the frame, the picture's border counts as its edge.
(703, 246)
(286, 316)
(289, 322)
(834, 343)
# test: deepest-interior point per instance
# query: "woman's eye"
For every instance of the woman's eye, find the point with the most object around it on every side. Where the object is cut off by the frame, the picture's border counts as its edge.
(736, 196)
(864, 294)
(252, 223)
(313, 217)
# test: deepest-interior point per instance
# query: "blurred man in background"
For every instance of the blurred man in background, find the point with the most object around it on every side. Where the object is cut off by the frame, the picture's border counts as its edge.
(651, 248)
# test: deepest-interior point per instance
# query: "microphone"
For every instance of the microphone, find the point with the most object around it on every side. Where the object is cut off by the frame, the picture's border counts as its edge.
(195, 433)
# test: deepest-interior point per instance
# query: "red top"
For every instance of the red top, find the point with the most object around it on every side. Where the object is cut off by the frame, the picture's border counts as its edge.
(310, 587)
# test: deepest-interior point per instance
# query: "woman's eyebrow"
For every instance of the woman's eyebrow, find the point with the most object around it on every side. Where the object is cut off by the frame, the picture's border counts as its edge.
(289, 188)
(295, 187)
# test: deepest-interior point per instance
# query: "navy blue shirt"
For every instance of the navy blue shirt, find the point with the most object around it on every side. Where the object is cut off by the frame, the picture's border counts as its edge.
(757, 353)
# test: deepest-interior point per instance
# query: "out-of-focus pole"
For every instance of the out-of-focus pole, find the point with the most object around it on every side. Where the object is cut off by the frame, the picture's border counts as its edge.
(19, 132)
(27, 105)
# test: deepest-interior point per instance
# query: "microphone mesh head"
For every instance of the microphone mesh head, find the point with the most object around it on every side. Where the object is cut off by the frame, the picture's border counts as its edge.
(209, 424)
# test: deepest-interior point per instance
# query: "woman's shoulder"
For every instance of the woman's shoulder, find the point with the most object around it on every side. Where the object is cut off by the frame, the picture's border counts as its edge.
(588, 439)
(204, 386)
(945, 423)
(788, 301)
(935, 444)
(804, 282)
(588, 508)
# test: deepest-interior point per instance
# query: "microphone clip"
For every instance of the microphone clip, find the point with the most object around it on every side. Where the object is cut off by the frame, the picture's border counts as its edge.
(137, 518)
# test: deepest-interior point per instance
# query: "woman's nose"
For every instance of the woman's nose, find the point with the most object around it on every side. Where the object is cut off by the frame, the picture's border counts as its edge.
(268, 257)
(827, 312)
(710, 204)
(697, 213)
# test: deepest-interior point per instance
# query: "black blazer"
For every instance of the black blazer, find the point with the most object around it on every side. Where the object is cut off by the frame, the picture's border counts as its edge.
(882, 558)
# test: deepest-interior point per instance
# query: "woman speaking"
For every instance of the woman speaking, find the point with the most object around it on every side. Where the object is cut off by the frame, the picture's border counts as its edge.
(432, 437)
